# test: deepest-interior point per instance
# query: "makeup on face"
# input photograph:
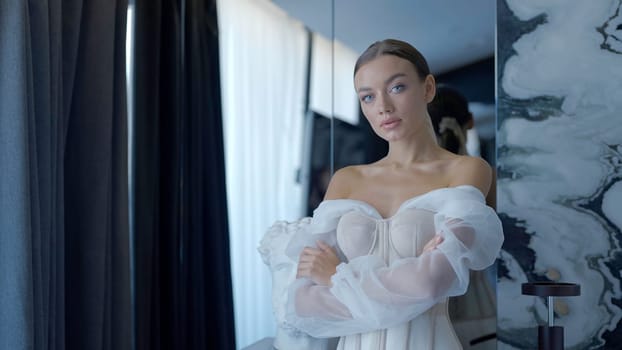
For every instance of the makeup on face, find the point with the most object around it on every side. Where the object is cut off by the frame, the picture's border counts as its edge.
(390, 95)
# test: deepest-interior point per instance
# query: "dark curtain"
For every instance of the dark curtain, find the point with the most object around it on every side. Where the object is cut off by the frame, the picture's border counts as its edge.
(182, 270)
(64, 257)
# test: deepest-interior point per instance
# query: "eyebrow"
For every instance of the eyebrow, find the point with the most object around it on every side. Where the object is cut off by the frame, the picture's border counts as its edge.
(391, 78)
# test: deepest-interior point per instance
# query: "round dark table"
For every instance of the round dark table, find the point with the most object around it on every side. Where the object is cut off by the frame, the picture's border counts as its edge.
(551, 337)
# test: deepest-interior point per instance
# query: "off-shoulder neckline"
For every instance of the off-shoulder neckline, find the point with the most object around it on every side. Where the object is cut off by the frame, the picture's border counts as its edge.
(404, 203)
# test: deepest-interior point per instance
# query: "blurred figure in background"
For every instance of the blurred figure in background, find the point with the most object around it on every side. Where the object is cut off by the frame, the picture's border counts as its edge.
(474, 313)
(451, 119)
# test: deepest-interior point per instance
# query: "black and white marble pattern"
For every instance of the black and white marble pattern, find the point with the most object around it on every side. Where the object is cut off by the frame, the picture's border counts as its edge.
(559, 161)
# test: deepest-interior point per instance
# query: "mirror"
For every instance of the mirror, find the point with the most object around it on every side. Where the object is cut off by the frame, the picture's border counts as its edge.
(289, 65)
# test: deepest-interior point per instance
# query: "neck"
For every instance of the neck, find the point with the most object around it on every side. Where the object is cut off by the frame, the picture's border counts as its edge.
(418, 148)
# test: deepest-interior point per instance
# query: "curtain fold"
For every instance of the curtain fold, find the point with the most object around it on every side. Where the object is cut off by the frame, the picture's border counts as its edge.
(208, 284)
(64, 258)
(182, 273)
(96, 200)
(16, 221)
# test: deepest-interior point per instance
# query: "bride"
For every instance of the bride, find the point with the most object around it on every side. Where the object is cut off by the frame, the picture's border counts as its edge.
(393, 239)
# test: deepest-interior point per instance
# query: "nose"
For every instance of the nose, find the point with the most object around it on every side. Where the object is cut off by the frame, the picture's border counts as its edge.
(385, 105)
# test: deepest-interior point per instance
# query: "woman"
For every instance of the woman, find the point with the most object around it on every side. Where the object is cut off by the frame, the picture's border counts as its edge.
(451, 118)
(393, 239)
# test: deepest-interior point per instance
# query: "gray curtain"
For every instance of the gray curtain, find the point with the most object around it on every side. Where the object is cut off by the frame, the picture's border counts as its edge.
(64, 251)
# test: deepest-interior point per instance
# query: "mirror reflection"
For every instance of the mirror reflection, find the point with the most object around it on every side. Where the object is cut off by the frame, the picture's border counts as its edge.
(292, 118)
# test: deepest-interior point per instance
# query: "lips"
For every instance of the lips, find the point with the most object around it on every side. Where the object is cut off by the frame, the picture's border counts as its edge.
(390, 123)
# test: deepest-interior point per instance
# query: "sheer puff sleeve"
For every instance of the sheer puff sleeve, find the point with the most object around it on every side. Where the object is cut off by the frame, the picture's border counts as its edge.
(367, 294)
(283, 270)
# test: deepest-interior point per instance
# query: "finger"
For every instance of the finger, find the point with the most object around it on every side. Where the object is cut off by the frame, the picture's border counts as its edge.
(430, 245)
(304, 265)
(436, 239)
(322, 245)
(325, 247)
(433, 244)
(307, 258)
(312, 251)
(303, 271)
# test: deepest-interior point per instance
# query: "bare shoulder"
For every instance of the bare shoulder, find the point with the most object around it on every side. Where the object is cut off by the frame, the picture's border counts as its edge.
(475, 171)
(340, 184)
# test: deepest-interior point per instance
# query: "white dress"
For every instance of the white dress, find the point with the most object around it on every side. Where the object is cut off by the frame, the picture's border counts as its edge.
(385, 294)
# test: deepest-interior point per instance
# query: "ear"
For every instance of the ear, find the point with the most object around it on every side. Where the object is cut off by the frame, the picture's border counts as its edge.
(429, 88)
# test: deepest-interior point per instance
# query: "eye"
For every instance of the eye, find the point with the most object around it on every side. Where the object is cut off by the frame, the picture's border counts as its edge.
(398, 88)
(366, 98)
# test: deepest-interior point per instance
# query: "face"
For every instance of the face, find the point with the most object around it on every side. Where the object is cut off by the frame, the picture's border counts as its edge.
(393, 97)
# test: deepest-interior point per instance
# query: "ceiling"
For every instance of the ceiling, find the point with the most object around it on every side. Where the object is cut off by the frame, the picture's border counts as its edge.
(449, 33)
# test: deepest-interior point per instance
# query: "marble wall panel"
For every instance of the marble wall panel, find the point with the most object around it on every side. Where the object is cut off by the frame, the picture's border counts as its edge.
(559, 162)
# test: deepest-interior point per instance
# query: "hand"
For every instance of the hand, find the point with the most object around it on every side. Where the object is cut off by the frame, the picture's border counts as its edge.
(319, 264)
(432, 244)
